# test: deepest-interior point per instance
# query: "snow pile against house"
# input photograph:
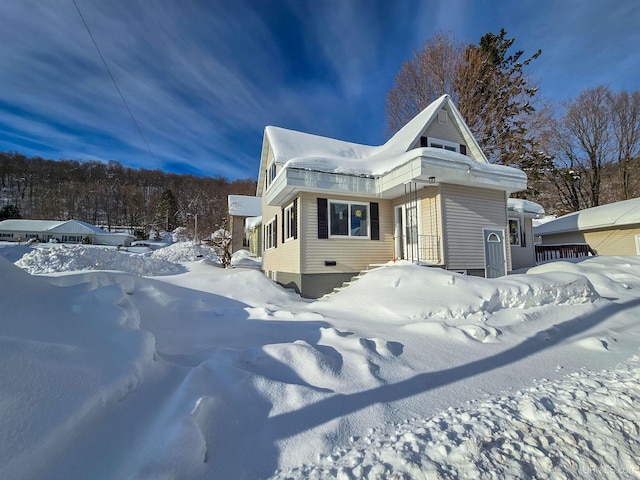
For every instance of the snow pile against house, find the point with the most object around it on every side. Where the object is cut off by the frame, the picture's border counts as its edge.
(475, 297)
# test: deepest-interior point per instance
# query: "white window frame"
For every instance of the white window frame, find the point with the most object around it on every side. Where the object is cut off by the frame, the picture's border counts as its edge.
(271, 173)
(443, 117)
(518, 233)
(270, 235)
(350, 205)
(444, 144)
(289, 219)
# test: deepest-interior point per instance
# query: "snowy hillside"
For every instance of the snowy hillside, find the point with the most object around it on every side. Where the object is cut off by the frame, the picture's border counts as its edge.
(163, 365)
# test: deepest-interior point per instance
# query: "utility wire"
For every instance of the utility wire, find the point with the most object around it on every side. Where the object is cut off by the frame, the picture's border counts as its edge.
(104, 62)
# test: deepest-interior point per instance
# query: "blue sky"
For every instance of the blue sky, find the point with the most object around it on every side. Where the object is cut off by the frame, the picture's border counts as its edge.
(204, 77)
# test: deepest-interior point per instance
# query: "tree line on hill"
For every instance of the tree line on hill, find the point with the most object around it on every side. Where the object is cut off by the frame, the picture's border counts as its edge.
(111, 195)
(581, 154)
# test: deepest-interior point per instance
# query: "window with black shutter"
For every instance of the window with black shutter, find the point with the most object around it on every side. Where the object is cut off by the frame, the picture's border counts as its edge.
(375, 221)
(323, 218)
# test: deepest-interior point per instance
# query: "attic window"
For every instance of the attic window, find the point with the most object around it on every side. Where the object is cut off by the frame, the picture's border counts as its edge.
(443, 118)
(444, 144)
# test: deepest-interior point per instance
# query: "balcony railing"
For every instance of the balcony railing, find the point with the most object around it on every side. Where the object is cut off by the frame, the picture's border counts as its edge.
(418, 248)
(544, 253)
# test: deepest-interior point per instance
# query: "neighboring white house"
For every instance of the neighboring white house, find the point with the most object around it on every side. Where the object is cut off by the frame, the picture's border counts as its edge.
(241, 209)
(331, 208)
(612, 229)
(69, 231)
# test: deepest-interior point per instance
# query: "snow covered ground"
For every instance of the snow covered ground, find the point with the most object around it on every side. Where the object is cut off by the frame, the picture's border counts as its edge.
(162, 365)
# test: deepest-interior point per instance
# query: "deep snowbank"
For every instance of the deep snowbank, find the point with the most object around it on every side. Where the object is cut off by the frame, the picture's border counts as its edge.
(417, 292)
(64, 355)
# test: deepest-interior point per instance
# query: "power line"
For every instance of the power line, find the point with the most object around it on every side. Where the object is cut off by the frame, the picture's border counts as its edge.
(126, 105)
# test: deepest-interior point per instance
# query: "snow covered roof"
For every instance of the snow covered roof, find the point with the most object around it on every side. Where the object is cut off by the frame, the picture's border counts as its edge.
(29, 225)
(252, 222)
(525, 207)
(244, 206)
(307, 151)
(312, 153)
(626, 212)
(51, 226)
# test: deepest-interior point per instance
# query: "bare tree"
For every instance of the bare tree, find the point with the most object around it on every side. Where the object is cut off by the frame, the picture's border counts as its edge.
(221, 241)
(586, 125)
(429, 74)
(565, 175)
(625, 122)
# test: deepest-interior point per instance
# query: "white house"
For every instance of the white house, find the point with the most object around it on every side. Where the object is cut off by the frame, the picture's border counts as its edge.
(331, 208)
(243, 212)
(69, 231)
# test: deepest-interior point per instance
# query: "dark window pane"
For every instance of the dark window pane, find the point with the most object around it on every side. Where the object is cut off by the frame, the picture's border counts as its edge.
(339, 213)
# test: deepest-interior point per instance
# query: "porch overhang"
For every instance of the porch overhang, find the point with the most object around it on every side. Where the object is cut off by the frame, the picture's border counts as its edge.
(419, 167)
(290, 181)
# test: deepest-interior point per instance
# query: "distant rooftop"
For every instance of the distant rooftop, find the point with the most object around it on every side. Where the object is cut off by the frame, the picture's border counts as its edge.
(626, 212)
(245, 206)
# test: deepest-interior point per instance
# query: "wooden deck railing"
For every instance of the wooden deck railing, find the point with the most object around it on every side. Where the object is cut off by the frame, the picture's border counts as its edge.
(544, 253)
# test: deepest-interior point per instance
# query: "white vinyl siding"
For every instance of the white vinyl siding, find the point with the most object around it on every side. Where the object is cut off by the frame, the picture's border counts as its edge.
(465, 212)
(524, 257)
(350, 255)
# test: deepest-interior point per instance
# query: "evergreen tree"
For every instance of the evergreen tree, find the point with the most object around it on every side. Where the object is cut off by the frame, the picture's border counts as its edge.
(168, 210)
(496, 100)
(9, 211)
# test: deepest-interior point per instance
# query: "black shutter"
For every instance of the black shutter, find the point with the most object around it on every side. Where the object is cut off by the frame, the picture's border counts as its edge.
(295, 218)
(463, 149)
(284, 219)
(275, 231)
(424, 142)
(375, 221)
(323, 218)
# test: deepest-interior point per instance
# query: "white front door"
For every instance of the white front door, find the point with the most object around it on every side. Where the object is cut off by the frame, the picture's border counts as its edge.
(495, 253)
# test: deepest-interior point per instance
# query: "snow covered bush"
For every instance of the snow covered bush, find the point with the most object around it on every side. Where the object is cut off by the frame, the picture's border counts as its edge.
(221, 243)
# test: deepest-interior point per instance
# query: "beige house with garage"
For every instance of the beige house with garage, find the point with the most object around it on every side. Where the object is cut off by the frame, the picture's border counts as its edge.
(612, 229)
(331, 208)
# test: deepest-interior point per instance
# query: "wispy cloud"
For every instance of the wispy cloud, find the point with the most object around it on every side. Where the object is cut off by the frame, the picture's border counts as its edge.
(203, 78)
